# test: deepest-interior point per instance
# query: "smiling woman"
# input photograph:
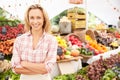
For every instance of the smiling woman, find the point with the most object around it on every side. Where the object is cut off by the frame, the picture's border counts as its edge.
(34, 52)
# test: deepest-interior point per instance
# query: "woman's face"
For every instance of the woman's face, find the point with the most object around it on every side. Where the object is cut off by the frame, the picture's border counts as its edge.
(36, 19)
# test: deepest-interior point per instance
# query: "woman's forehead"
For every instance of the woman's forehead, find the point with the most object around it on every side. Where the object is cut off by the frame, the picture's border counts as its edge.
(35, 12)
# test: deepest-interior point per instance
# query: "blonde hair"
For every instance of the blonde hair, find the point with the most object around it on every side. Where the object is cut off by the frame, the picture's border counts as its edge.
(46, 24)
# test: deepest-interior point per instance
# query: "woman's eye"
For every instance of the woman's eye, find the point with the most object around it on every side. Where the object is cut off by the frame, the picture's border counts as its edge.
(31, 17)
(35, 17)
(38, 17)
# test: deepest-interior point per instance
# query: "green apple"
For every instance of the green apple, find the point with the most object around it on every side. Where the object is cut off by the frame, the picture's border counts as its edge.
(67, 52)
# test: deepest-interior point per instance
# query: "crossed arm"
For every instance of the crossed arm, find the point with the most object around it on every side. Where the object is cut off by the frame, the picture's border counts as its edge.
(31, 68)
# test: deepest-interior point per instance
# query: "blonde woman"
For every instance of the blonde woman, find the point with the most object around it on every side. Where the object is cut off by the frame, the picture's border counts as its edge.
(34, 52)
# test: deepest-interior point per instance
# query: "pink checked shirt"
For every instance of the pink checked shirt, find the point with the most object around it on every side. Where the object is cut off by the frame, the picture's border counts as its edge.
(23, 50)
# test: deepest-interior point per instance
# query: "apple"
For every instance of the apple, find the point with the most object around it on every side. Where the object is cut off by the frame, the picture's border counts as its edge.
(96, 52)
(71, 37)
(67, 52)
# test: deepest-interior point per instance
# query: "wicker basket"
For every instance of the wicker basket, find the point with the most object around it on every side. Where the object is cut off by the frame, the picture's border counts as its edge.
(67, 37)
(85, 57)
(91, 34)
(82, 34)
(96, 33)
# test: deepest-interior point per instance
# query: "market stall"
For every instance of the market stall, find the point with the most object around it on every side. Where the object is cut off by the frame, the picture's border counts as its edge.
(83, 38)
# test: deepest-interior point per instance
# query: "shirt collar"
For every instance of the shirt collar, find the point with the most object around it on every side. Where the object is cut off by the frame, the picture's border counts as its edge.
(29, 33)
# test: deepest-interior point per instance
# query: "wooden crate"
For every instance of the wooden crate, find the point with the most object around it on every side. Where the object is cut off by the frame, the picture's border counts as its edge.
(80, 16)
(72, 23)
(76, 16)
(71, 15)
(77, 23)
(80, 24)
(72, 20)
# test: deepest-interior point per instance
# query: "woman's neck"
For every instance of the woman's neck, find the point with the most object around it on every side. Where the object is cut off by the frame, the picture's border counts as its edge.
(37, 34)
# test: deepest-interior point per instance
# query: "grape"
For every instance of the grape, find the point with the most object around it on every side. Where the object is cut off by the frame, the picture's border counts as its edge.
(4, 30)
(1, 56)
(59, 51)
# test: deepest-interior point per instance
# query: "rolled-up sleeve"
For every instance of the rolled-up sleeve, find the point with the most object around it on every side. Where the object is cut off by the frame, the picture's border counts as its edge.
(15, 60)
(51, 56)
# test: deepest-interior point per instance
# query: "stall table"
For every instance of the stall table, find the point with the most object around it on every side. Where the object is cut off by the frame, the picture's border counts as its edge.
(67, 66)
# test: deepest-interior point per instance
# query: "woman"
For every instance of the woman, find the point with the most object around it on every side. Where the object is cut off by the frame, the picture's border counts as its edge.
(34, 52)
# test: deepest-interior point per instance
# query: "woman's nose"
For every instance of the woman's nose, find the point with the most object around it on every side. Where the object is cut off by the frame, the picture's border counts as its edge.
(35, 20)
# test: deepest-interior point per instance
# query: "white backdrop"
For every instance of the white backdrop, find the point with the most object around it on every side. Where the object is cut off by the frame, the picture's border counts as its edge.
(106, 10)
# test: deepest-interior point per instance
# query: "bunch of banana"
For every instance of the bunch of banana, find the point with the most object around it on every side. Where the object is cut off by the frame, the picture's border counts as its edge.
(61, 42)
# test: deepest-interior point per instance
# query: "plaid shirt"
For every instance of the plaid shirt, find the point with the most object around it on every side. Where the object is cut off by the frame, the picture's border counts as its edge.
(23, 50)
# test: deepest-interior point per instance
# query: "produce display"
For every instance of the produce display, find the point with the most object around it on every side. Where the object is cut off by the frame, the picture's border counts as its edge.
(102, 69)
(116, 70)
(99, 48)
(86, 51)
(61, 41)
(74, 40)
(72, 46)
(117, 34)
(98, 68)
(8, 32)
(7, 37)
(9, 75)
(4, 65)
(104, 37)
(6, 46)
(109, 75)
